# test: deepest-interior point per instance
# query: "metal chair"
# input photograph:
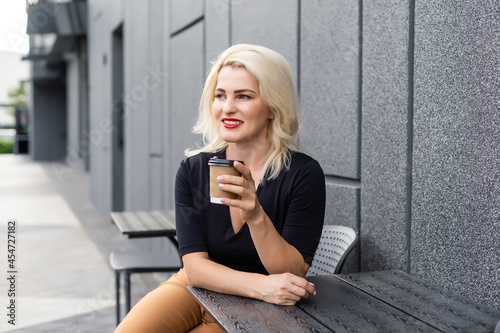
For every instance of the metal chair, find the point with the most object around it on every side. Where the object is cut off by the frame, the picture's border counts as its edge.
(132, 262)
(334, 246)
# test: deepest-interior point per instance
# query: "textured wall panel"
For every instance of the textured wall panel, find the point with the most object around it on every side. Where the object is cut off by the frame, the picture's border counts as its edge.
(155, 183)
(342, 209)
(329, 84)
(341, 204)
(99, 100)
(49, 131)
(384, 134)
(137, 106)
(186, 82)
(183, 12)
(158, 76)
(158, 107)
(217, 29)
(268, 23)
(73, 154)
(456, 192)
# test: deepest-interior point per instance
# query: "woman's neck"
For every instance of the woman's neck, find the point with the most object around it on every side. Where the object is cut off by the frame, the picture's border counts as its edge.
(254, 156)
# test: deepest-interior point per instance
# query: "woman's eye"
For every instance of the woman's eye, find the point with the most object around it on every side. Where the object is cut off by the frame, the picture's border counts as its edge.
(219, 96)
(244, 97)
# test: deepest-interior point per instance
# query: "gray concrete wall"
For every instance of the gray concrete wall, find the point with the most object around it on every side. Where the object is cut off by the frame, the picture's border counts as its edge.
(77, 141)
(48, 132)
(400, 106)
(72, 79)
(145, 78)
(456, 172)
(384, 139)
(329, 91)
(100, 15)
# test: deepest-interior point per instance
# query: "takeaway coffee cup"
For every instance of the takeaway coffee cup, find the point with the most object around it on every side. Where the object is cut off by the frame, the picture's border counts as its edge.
(219, 166)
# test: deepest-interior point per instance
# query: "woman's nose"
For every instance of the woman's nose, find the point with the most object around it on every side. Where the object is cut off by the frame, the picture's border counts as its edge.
(229, 106)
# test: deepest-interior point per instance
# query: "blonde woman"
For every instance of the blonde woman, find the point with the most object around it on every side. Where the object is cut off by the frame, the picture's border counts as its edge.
(261, 244)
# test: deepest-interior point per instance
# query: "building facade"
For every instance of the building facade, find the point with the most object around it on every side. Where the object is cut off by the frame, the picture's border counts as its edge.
(400, 107)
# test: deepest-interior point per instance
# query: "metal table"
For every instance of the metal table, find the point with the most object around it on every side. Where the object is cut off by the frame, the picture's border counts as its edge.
(139, 224)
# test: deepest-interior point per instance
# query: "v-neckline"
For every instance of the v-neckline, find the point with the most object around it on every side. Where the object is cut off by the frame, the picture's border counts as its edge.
(235, 232)
(231, 221)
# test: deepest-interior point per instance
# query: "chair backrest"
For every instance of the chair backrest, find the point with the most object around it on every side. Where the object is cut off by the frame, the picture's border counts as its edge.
(334, 246)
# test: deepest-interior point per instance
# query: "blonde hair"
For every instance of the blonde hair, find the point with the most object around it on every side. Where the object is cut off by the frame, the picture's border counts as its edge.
(273, 74)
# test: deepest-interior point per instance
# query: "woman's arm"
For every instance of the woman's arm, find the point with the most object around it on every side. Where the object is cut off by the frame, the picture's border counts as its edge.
(281, 289)
(276, 254)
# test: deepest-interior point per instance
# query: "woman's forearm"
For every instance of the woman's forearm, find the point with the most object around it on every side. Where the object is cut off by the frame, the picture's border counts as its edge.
(282, 289)
(204, 273)
(276, 254)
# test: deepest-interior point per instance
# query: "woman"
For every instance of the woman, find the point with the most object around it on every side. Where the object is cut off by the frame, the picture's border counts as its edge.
(261, 244)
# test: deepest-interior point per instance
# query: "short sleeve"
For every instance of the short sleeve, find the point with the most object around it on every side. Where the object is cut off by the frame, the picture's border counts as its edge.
(187, 213)
(306, 211)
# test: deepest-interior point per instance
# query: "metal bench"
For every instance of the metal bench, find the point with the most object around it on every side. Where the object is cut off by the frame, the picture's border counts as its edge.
(127, 263)
(140, 224)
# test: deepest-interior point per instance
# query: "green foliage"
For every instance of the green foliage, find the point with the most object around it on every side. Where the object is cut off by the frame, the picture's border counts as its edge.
(6, 145)
(18, 95)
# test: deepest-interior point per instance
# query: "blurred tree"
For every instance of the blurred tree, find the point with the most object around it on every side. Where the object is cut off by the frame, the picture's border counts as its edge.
(18, 95)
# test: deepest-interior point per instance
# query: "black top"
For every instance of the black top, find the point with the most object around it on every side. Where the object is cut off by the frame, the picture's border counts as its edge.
(294, 201)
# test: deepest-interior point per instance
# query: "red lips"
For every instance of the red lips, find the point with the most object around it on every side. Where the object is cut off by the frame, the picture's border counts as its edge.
(231, 122)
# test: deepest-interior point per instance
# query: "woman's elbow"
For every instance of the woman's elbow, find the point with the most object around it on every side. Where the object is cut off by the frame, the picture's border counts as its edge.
(191, 263)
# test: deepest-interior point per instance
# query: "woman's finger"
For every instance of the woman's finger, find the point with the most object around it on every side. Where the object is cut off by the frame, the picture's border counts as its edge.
(232, 188)
(237, 180)
(245, 172)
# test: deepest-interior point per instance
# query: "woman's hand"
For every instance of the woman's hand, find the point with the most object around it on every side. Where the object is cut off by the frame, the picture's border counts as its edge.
(246, 190)
(276, 254)
(285, 289)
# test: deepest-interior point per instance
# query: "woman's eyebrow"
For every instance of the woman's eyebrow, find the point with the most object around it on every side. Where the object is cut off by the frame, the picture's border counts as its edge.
(238, 91)
(243, 90)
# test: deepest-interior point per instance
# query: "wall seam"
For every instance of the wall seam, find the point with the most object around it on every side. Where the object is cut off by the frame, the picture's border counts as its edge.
(342, 181)
(163, 114)
(150, 116)
(204, 41)
(360, 117)
(230, 22)
(409, 157)
(187, 26)
(299, 33)
(168, 114)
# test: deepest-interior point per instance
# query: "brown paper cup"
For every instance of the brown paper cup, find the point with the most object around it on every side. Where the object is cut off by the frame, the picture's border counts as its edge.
(217, 193)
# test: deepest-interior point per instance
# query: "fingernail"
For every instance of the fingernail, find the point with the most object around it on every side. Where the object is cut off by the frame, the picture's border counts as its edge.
(314, 293)
(221, 185)
(312, 284)
(236, 163)
(219, 178)
(222, 200)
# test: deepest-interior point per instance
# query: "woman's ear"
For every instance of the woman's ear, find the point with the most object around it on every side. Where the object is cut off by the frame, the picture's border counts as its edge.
(271, 113)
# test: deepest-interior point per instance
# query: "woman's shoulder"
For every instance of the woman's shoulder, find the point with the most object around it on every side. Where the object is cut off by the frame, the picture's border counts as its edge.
(303, 164)
(198, 158)
(198, 161)
(301, 159)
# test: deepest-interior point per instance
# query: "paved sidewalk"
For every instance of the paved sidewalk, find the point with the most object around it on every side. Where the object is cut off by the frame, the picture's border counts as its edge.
(63, 280)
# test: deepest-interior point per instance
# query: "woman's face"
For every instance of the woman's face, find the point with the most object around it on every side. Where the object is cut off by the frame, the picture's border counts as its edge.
(238, 108)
